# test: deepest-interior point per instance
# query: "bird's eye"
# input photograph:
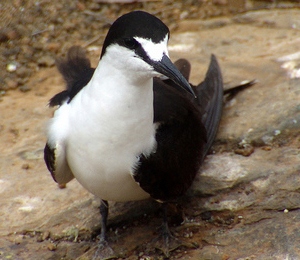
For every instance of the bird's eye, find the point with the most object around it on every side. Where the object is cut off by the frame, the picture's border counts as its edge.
(130, 43)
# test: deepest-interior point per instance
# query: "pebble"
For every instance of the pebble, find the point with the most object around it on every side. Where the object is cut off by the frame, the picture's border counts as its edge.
(24, 88)
(69, 25)
(25, 40)
(12, 34)
(18, 239)
(42, 236)
(25, 166)
(11, 67)
(46, 61)
(8, 34)
(3, 37)
(220, 2)
(10, 84)
(53, 46)
(46, 235)
(28, 52)
(39, 238)
(81, 6)
(247, 151)
(23, 72)
(38, 45)
(52, 247)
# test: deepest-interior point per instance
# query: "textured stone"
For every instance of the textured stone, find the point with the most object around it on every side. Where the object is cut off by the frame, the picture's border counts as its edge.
(251, 205)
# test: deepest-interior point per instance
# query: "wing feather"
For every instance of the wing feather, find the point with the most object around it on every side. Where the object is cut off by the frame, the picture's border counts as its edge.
(57, 164)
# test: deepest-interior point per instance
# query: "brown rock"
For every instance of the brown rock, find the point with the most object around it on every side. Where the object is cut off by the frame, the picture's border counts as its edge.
(52, 247)
(10, 84)
(53, 46)
(3, 36)
(12, 34)
(46, 61)
(246, 151)
(23, 72)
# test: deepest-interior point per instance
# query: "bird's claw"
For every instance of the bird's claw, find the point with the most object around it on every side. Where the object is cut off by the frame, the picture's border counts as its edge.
(104, 252)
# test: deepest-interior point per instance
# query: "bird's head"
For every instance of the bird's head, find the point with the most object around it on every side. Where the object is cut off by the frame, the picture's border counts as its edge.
(137, 43)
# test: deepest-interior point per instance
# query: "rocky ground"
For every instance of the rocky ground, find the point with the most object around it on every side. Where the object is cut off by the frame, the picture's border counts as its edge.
(245, 202)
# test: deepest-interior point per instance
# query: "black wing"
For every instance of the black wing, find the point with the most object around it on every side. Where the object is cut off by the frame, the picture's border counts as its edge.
(189, 127)
(210, 100)
(55, 159)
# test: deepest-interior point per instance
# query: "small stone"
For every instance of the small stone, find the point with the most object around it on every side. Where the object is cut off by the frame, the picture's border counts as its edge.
(24, 88)
(53, 46)
(38, 45)
(52, 247)
(3, 37)
(184, 15)
(39, 238)
(247, 151)
(46, 61)
(46, 235)
(55, 237)
(94, 6)
(11, 67)
(220, 2)
(25, 166)
(277, 132)
(225, 257)
(18, 239)
(267, 148)
(69, 26)
(27, 52)
(25, 40)
(23, 72)
(14, 131)
(10, 84)
(81, 6)
(12, 34)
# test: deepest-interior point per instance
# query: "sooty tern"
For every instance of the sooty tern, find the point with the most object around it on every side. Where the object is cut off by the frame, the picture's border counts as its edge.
(126, 134)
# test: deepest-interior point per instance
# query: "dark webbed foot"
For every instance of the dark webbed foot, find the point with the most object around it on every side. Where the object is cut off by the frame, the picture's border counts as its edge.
(166, 242)
(104, 251)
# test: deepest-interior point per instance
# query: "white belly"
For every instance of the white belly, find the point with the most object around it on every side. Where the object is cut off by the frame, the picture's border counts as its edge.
(102, 147)
(107, 177)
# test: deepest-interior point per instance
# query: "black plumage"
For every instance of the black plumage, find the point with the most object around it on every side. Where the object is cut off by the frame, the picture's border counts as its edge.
(77, 72)
(188, 126)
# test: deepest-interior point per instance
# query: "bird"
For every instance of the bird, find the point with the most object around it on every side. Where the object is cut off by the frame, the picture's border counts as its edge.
(132, 128)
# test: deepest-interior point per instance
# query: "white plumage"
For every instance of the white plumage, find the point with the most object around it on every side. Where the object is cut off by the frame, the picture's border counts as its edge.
(108, 124)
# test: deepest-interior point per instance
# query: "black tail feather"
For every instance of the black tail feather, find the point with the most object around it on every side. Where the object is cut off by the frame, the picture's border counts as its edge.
(77, 72)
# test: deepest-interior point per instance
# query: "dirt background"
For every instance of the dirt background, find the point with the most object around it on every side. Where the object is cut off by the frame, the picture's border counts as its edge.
(33, 33)
(41, 221)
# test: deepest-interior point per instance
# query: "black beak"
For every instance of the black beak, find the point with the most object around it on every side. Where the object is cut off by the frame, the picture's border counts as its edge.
(167, 68)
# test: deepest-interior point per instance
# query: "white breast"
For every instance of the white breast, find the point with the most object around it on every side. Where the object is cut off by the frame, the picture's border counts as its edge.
(108, 126)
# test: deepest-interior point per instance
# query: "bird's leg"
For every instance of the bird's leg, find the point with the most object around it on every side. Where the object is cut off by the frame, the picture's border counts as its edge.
(166, 242)
(104, 251)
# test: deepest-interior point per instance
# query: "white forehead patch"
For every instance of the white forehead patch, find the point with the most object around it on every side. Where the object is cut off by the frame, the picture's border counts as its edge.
(155, 51)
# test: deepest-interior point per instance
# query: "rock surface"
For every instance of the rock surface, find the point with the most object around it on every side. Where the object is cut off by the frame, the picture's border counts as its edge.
(243, 207)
